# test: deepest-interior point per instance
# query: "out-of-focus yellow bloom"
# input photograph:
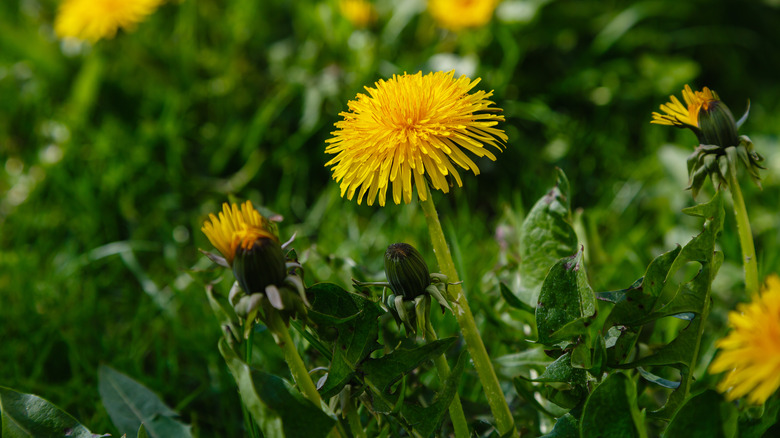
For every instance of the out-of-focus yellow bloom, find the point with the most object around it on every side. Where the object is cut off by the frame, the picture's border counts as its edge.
(234, 228)
(457, 15)
(92, 20)
(750, 354)
(360, 13)
(408, 128)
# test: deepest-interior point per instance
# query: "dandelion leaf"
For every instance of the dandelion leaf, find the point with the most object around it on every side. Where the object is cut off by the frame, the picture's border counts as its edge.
(611, 410)
(546, 236)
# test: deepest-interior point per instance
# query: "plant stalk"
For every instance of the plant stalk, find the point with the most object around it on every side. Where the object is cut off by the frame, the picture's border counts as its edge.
(456, 409)
(749, 261)
(297, 368)
(487, 375)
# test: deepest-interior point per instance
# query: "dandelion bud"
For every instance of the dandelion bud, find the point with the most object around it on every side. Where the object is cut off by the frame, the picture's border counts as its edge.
(259, 262)
(717, 125)
(406, 270)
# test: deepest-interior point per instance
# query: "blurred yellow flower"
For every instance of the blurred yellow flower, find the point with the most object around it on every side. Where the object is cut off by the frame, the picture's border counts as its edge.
(95, 19)
(456, 15)
(750, 354)
(236, 227)
(408, 126)
(360, 13)
(687, 115)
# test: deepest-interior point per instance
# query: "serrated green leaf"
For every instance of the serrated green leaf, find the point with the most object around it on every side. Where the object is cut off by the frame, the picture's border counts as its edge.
(390, 367)
(565, 427)
(131, 404)
(611, 410)
(276, 406)
(425, 420)
(705, 415)
(355, 320)
(29, 416)
(566, 302)
(546, 236)
(641, 303)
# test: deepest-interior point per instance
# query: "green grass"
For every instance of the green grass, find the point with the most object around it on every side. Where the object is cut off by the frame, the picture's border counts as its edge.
(111, 159)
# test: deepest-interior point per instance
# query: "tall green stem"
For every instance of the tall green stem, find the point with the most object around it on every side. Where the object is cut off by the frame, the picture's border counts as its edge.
(485, 371)
(743, 228)
(297, 368)
(456, 409)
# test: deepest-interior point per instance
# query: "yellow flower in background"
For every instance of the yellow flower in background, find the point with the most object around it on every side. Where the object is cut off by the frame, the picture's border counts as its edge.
(360, 13)
(750, 354)
(234, 228)
(92, 20)
(408, 128)
(456, 15)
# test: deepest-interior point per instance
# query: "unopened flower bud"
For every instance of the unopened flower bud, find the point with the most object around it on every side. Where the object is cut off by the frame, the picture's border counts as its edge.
(406, 270)
(259, 262)
(717, 125)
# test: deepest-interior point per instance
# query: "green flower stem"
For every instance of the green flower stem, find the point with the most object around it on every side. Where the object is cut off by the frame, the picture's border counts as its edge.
(297, 368)
(456, 409)
(743, 228)
(476, 348)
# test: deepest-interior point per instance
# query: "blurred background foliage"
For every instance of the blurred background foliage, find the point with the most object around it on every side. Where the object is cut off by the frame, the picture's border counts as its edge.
(113, 154)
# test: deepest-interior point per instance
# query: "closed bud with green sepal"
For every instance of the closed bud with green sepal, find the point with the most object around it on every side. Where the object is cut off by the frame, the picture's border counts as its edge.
(406, 270)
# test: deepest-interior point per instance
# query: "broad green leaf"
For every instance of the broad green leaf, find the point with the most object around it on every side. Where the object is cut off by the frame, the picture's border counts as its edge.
(277, 407)
(425, 420)
(390, 367)
(566, 303)
(644, 302)
(29, 416)
(611, 410)
(566, 427)
(705, 415)
(355, 320)
(546, 236)
(142, 432)
(130, 404)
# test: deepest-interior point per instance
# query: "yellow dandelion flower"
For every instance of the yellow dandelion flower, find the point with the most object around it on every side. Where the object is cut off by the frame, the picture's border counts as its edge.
(457, 15)
(683, 116)
(360, 13)
(750, 354)
(95, 19)
(410, 127)
(236, 227)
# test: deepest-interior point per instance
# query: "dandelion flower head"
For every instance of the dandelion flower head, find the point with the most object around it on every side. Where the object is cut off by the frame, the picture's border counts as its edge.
(236, 227)
(457, 15)
(92, 20)
(684, 116)
(750, 354)
(408, 128)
